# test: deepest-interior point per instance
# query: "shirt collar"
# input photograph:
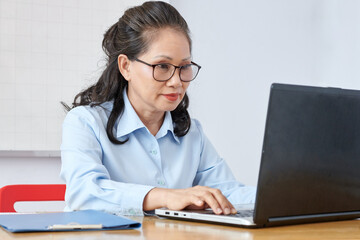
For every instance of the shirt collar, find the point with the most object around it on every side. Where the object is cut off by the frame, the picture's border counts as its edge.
(129, 122)
(166, 127)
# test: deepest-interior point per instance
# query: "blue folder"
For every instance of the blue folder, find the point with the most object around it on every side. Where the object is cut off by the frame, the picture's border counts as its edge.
(65, 221)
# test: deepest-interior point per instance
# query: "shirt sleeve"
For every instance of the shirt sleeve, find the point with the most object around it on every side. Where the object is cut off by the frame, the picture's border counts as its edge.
(214, 172)
(88, 183)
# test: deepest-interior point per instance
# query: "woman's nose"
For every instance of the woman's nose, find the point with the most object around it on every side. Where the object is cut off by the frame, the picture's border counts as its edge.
(175, 79)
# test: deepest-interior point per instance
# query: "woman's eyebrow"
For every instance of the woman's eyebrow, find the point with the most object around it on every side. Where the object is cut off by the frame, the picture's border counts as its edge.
(170, 58)
(163, 56)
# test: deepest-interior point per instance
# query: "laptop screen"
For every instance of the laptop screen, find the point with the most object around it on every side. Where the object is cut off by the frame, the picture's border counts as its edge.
(311, 153)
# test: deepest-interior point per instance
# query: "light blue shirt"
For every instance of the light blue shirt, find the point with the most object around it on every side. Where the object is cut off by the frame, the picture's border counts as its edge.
(116, 178)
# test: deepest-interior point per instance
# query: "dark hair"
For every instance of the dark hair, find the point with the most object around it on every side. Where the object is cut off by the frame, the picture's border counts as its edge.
(131, 36)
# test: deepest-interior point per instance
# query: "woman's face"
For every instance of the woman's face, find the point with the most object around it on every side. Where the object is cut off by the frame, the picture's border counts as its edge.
(149, 96)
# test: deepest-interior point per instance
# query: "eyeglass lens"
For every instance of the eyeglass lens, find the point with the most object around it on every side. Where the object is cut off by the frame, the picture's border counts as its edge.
(163, 72)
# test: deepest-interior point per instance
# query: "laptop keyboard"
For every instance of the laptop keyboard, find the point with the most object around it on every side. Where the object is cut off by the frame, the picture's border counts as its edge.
(240, 213)
(244, 213)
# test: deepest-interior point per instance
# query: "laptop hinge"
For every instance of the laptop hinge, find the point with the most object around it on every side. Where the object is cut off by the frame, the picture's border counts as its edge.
(312, 216)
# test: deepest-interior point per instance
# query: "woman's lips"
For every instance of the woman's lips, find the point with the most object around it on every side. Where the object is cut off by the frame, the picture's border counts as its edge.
(172, 97)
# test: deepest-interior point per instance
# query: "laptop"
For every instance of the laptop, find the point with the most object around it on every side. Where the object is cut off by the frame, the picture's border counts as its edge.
(310, 162)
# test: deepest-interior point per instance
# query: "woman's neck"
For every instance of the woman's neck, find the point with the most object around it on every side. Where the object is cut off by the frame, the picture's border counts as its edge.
(152, 121)
(150, 117)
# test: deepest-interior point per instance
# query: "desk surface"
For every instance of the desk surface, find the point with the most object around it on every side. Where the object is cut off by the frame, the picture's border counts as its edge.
(154, 228)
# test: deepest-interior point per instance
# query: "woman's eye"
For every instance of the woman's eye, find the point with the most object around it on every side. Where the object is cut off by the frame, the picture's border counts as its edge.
(163, 66)
(186, 67)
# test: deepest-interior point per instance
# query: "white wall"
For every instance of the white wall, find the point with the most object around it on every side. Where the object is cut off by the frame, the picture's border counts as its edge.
(49, 51)
(244, 46)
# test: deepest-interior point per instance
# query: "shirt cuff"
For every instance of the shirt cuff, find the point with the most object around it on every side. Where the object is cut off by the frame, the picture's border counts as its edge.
(133, 205)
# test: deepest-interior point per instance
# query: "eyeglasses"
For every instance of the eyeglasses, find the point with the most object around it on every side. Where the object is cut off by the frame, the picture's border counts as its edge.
(164, 71)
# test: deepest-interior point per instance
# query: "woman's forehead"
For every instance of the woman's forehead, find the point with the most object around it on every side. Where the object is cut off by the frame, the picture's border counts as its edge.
(169, 43)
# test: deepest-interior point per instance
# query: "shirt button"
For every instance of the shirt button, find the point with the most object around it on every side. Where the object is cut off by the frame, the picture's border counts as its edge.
(153, 152)
(161, 182)
(131, 211)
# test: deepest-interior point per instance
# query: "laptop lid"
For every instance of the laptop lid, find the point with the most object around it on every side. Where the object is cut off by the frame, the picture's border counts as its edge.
(311, 156)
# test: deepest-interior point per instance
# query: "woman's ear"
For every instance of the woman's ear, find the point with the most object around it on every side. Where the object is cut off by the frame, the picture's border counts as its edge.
(124, 66)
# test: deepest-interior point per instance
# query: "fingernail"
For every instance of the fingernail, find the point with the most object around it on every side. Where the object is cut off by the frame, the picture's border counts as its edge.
(200, 202)
(233, 211)
(227, 211)
(218, 210)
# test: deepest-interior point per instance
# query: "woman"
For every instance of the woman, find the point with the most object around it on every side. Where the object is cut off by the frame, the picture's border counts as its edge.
(129, 144)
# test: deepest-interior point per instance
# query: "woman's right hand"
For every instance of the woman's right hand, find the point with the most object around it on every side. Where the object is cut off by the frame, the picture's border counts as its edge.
(198, 197)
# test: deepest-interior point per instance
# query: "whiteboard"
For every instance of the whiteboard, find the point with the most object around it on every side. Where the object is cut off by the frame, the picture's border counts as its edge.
(49, 51)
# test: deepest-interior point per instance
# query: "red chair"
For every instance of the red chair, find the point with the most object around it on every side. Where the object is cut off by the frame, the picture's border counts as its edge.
(11, 194)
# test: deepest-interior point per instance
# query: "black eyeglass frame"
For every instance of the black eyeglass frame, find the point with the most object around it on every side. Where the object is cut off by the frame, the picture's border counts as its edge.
(180, 67)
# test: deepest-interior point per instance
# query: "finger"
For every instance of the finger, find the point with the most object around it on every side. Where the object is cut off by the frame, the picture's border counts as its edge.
(224, 203)
(210, 200)
(194, 207)
(198, 201)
